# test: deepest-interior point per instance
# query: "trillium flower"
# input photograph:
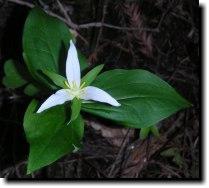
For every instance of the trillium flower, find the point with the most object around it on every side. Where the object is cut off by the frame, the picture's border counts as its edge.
(74, 88)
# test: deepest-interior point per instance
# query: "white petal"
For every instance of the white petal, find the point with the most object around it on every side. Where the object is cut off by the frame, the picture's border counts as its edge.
(60, 97)
(73, 66)
(96, 94)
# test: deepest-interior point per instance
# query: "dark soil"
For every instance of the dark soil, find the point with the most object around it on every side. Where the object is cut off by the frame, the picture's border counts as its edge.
(169, 48)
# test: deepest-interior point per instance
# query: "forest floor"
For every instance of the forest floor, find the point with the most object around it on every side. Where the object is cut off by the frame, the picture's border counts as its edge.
(166, 43)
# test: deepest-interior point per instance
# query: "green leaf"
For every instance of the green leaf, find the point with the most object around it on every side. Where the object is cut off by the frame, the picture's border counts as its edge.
(32, 90)
(49, 136)
(177, 158)
(168, 152)
(144, 133)
(45, 44)
(154, 130)
(56, 78)
(75, 109)
(91, 75)
(174, 153)
(145, 98)
(18, 76)
(14, 72)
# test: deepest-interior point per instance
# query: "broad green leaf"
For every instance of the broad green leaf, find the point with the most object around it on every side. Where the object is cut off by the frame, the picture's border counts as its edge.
(91, 75)
(44, 38)
(144, 133)
(45, 44)
(145, 98)
(56, 78)
(34, 87)
(75, 109)
(14, 72)
(49, 136)
(154, 130)
(25, 58)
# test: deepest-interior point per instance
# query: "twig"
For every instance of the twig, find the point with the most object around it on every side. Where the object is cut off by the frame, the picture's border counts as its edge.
(172, 134)
(147, 148)
(45, 6)
(118, 45)
(30, 5)
(176, 70)
(170, 4)
(101, 29)
(192, 153)
(6, 172)
(166, 168)
(119, 154)
(84, 26)
(100, 24)
(99, 170)
(70, 23)
(87, 158)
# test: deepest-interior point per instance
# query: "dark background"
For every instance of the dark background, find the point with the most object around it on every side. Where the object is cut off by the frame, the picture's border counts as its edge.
(166, 43)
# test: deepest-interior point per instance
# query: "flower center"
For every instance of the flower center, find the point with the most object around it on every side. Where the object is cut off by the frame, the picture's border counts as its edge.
(75, 90)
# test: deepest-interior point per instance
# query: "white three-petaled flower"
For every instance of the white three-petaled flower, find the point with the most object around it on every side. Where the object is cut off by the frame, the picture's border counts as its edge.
(74, 88)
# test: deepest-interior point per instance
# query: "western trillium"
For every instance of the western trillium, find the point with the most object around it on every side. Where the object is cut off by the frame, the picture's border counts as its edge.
(74, 87)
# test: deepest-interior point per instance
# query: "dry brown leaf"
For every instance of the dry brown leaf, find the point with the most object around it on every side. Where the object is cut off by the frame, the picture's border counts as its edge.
(114, 136)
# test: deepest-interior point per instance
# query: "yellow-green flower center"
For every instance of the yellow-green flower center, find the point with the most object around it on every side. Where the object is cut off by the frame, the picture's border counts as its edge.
(76, 91)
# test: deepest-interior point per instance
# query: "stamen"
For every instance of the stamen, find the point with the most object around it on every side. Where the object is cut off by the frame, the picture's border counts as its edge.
(82, 85)
(66, 83)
